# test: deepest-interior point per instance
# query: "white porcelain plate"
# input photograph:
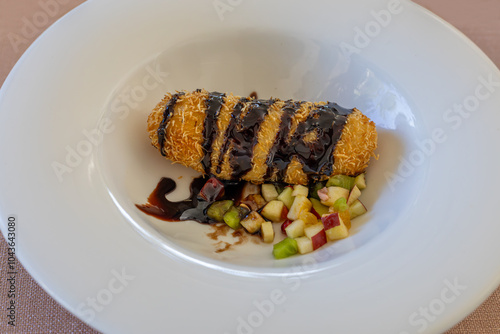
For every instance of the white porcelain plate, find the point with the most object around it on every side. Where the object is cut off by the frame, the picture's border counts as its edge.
(77, 159)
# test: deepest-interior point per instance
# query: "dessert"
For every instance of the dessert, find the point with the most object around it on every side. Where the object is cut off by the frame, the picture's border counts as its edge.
(256, 140)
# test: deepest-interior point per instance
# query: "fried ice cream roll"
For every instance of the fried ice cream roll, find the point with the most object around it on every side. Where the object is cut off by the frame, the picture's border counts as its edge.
(256, 140)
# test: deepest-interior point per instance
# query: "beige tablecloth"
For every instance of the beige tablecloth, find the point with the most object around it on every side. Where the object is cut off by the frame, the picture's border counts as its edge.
(21, 21)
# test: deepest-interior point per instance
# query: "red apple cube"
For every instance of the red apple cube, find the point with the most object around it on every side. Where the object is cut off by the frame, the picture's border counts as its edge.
(317, 235)
(353, 195)
(284, 225)
(334, 227)
(331, 220)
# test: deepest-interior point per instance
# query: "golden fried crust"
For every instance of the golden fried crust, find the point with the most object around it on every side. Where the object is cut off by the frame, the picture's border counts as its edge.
(356, 146)
(184, 138)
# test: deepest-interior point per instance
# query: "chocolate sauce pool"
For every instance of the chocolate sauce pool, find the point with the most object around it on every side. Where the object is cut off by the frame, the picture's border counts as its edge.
(193, 207)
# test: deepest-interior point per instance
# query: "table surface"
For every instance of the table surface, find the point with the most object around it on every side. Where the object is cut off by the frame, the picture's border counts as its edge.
(37, 312)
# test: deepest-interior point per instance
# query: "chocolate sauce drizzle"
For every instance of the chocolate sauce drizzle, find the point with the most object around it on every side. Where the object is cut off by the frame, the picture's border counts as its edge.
(240, 136)
(169, 108)
(316, 157)
(213, 103)
(244, 136)
(275, 159)
(231, 130)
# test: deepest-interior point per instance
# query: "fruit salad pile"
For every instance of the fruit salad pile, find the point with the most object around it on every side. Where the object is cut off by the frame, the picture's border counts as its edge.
(310, 217)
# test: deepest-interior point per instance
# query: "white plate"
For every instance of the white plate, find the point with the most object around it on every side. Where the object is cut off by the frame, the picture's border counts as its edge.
(76, 160)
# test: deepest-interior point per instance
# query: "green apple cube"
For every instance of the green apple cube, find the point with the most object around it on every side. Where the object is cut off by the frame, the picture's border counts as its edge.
(269, 192)
(286, 197)
(285, 248)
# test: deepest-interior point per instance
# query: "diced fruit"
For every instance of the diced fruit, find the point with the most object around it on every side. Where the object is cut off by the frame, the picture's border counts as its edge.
(300, 204)
(353, 195)
(360, 181)
(304, 245)
(346, 218)
(295, 229)
(284, 225)
(253, 222)
(318, 209)
(314, 190)
(308, 218)
(232, 218)
(300, 190)
(212, 190)
(331, 220)
(340, 205)
(357, 209)
(275, 211)
(217, 210)
(269, 192)
(343, 181)
(285, 248)
(250, 189)
(267, 232)
(334, 227)
(254, 202)
(332, 194)
(317, 235)
(286, 197)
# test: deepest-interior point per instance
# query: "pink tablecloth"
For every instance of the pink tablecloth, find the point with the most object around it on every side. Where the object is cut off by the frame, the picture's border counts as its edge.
(21, 21)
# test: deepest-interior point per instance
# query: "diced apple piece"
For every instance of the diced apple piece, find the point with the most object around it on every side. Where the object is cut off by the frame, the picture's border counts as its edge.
(267, 232)
(252, 222)
(304, 244)
(334, 226)
(360, 181)
(318, 209)
(308, 218)
(300, 204)
(357, 209)
(269, 192)
(300, 190)
(286, 196)
(317, 235)
(284, 225)
(254, 201)
(275, 211)
(332, 194)
(353, 195)
(295, 229)
(250, 189)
